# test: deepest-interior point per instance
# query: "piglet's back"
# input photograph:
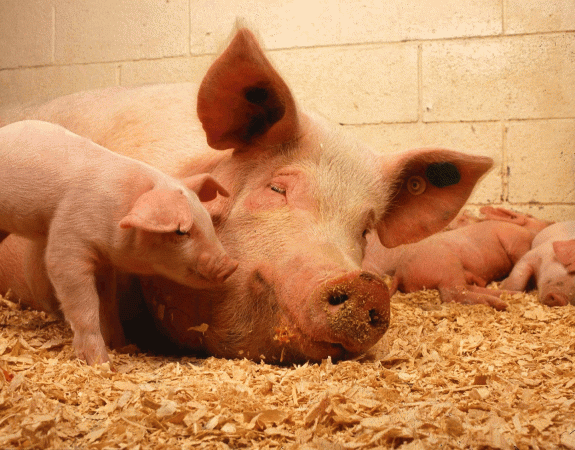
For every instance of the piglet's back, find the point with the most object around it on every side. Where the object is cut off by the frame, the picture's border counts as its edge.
(39, 164)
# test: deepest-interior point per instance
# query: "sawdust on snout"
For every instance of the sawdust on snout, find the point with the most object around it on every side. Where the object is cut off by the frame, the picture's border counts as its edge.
(351, 318)
(348, 321)
(444, 376)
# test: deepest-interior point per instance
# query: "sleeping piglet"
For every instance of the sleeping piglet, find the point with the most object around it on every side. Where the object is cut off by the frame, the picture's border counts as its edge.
(86, 207)
(459, 263)
(551, 261)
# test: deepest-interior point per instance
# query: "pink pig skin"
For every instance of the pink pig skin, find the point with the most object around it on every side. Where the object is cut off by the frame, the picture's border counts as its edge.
(527, 221)
(551, 262)
(459, 263)
(303, 197)
(85, 207)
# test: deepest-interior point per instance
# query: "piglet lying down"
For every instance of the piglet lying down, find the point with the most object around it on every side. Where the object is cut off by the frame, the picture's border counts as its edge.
(459, 263)
(551, 262)
(87, 208)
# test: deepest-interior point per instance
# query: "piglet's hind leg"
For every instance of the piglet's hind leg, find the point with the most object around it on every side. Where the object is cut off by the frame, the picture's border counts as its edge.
(472, 295)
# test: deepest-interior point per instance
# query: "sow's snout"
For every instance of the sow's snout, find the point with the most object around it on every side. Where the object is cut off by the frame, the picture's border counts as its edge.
(355, 309)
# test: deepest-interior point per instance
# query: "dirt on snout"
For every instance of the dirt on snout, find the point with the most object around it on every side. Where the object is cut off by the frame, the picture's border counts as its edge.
(360, 317)
(444, 376)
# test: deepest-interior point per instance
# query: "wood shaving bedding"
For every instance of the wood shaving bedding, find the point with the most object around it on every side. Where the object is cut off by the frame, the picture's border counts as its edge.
(444, 376)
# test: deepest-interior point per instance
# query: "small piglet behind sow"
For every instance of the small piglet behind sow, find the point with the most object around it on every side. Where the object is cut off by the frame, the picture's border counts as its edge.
(88, 208)
(551, 261)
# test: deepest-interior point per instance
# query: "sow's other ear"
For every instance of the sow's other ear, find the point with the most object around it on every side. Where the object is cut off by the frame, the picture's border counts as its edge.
(428, 188)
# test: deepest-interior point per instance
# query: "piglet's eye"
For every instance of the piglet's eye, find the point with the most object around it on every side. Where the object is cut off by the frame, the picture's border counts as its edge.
(181, 233)
(277, 189)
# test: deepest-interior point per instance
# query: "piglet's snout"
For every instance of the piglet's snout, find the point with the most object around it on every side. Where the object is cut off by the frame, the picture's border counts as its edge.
(554, 299)
(560, 291)
(356, 307)
(216, 268)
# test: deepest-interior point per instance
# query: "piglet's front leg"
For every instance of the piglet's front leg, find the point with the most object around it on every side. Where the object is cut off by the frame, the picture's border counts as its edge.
(72, 275)
(522, 272)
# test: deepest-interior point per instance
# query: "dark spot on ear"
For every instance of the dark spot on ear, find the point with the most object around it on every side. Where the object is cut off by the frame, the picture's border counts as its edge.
(256, 95)
(266, 109)
(256, 126)
(443, 174)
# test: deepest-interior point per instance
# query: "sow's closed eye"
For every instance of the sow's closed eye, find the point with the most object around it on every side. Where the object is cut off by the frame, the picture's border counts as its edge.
(278, 189)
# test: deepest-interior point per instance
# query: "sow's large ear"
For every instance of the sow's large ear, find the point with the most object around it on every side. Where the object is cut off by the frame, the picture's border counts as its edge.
(565, 253)
(242, 100)
(429, 188)
(160, 211)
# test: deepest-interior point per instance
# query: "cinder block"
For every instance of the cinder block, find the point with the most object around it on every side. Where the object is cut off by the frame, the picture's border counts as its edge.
(398, 20)
(172, 70)
(541, 160)
(280, 23)
(519, 77)
(558, 213)
(43, 83)
(25, 33)
(484, 139)
(361, 84)
(529, 16)
(108, 30)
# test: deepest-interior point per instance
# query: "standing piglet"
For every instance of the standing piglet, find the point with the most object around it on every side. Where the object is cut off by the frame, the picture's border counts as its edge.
(87, 208)
(551, 262)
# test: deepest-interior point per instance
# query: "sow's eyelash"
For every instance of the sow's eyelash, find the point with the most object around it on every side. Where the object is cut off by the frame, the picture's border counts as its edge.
(278, 189)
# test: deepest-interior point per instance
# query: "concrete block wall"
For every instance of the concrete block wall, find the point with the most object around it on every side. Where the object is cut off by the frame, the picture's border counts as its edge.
(493, 77)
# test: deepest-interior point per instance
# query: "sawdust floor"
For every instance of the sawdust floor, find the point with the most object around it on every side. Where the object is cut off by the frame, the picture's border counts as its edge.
(444, 377)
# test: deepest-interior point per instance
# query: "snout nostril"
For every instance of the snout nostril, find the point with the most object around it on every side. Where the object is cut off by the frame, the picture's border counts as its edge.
(337, 299)
(374, 318)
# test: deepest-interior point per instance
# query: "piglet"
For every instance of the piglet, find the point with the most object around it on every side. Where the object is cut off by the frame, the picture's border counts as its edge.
(527, 221)
(459, 263)
(87, 208)
(551, 262)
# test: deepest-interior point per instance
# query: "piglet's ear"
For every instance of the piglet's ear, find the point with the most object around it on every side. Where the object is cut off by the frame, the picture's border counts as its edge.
(428, 188)
(505, 215)
(205, 186)
(161, 211)
(242, 100)
(565, 253)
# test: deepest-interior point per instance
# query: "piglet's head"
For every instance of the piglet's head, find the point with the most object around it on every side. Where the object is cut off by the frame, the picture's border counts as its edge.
(173, 235)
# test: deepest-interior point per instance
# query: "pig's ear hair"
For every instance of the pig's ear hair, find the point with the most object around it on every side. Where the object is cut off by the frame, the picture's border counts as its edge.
(205, 186)
(565, 253)
(160, 211)
(428, 188)
(242, 99)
